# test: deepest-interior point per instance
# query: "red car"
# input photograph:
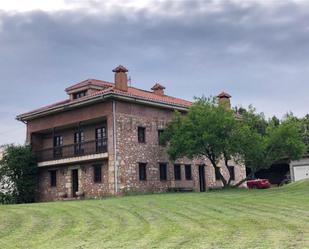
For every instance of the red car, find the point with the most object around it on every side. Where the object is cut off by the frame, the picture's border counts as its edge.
(258, 183)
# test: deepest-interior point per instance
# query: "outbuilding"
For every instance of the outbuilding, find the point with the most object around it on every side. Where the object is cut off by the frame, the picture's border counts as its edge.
(300, 169)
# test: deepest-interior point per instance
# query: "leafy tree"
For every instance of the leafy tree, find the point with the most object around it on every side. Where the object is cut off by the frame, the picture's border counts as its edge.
(305, 130)
(277, 140)
(208, 130)
(18, 174)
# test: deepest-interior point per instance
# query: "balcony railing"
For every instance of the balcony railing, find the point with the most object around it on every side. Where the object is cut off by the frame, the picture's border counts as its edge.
(72, 150)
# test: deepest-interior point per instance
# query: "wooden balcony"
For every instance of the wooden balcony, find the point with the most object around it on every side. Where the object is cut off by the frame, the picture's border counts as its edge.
(72, 153)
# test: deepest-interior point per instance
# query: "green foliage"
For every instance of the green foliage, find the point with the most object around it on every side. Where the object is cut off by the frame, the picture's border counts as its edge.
(210, 130)
(266, 142)
(18, 174)
(305, 130)
(207, 130)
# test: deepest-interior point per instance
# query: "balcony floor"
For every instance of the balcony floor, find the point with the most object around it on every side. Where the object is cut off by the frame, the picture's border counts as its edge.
(71, 160)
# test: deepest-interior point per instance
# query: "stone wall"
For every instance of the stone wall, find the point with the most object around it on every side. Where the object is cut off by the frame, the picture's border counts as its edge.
(130, 153)
(64, 181)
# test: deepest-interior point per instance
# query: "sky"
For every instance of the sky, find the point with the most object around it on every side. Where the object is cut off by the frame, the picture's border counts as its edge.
(258, 51)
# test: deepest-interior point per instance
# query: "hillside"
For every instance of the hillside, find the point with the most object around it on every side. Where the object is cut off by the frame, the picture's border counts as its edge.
(274, 218)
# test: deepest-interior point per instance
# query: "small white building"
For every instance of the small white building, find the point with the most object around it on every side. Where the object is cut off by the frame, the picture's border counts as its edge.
(299, 169)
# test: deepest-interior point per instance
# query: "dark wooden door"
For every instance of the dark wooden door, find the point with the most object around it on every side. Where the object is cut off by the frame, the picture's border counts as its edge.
(74, 181)
(201, 171)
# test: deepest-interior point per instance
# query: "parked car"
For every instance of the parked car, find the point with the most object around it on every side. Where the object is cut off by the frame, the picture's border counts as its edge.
(258, 183)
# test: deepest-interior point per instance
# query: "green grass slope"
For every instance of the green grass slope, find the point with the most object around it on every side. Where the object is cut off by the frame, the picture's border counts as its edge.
(273, 218)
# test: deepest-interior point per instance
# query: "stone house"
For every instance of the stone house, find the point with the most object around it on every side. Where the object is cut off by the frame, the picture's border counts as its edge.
(104, 140)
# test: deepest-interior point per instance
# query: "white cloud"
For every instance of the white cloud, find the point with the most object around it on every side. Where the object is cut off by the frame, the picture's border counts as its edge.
(152, 6)
(21, 5)
(54, 5)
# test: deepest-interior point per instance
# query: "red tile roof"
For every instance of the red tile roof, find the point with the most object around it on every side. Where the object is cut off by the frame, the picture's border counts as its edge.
(109, 88)
(88, 82)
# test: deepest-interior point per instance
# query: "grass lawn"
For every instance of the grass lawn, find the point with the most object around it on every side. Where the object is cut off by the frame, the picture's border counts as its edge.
(273, 218)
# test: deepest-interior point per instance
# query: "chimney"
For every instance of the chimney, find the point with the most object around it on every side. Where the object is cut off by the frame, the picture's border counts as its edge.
(158, 89)
(121, 78)
(224, 100)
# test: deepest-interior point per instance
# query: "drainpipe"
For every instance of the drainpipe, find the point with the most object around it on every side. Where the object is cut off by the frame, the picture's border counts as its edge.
(115, 148)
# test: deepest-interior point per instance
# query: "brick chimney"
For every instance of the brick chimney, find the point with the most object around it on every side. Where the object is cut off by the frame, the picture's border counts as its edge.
(158, 89)
(224, 100)
(121, 78)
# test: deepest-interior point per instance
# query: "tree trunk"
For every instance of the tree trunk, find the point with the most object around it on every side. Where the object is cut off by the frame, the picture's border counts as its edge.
(245, 179)
(217, 171)
(229, 170)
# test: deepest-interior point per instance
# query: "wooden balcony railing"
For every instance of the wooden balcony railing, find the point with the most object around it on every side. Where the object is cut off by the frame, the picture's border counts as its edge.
(72, 150)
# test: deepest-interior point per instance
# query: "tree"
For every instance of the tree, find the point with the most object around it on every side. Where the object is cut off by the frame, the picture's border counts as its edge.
(18, 174)
(277, 140)
(305, 130)
(212, 131)
(208, 130)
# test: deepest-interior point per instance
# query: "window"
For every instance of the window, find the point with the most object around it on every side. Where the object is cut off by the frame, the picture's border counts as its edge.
(163, 171)
(97, 173)
(53, 178)
(100, 138)
(217, 175)
(160, 133)
(58, 143)
(188, 172)
(79, 95)
(177, 172)
(232, 172)
(142, 171)
(79, 142)
(141, 135)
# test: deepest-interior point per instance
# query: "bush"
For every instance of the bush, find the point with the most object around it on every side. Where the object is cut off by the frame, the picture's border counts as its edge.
(18, 175)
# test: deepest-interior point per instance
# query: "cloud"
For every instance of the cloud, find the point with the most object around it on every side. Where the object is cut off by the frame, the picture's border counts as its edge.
(258, 52)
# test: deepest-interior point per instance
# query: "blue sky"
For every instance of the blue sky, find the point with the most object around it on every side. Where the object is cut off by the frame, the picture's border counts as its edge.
(258, 51)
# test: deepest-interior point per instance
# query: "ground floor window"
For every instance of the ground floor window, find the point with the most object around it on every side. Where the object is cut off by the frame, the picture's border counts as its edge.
(53, 178)
(97, 173)
(142, 171)
(163, 171)
(188, 172)
(177, 172)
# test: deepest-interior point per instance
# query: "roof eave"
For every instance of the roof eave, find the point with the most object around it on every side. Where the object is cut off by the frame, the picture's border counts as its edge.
(69, 106)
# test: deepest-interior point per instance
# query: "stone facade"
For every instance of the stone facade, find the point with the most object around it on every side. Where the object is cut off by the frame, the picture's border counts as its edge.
(87, 185)
(121, 110)
(130, 153)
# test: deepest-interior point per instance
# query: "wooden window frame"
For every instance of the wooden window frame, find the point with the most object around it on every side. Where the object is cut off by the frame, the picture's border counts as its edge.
(97, 178)
(101, 138)
(141, 130)
(163, 171)
(188, 172)
(142, 171)
(53, 178)
(80, 94)
(79, 140)
(177, 173)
